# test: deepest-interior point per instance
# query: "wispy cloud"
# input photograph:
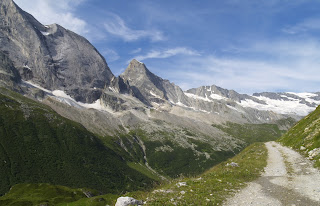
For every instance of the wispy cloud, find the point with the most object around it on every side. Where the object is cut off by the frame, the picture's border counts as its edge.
(154, 54)
(304, 26)
(110, 55)
(58, 11)
(138, 50)
(279, 65)
(116, 26)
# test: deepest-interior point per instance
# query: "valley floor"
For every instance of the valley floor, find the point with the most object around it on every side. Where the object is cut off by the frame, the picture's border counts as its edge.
(289, 179)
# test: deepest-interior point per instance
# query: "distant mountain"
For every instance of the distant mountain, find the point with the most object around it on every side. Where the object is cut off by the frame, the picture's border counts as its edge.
(217, 93)
(286, 103)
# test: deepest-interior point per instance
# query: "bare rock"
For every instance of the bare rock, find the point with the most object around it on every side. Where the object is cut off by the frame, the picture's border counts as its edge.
(52, 56)
(126, 201)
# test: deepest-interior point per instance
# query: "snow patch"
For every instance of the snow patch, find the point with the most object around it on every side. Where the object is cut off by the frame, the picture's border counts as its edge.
(193, 96)
(155, 95)
(218, 97)
(290, 98)
(96, 105)
(182, 105)
(293, 106)
(193, 108)
(233, 108)
(113, 90)
(67, 99)
(303, 95)
(307, 97)
(27, 67)
(60, 93)
(31, 84)
(45, 33)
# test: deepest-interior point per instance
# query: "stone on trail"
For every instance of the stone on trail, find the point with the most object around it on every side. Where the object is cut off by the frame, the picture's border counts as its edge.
(126, 201)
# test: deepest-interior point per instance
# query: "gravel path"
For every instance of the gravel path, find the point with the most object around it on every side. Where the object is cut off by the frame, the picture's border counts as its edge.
(289, 179)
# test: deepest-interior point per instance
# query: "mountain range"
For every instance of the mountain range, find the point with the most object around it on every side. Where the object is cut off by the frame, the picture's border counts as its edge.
(146, 125)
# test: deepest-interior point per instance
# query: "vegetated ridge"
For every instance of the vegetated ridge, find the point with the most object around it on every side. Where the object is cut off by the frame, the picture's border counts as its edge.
(305, 136)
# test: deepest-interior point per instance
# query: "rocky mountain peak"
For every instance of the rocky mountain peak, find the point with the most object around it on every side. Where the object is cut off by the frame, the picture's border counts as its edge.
(153, 88)
(134, 63)
(136, 68)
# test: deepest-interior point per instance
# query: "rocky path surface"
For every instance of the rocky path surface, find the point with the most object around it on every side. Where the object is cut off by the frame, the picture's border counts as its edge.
(289, 179)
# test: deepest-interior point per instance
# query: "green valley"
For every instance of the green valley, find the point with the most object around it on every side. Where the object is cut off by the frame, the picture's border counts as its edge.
(39, 146)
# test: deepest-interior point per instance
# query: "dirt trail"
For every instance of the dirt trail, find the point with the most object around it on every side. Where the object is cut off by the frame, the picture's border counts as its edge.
(289, 179)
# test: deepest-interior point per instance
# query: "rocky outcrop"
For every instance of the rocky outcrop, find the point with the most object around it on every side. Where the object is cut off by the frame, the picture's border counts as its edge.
(51, 56)
(126, 201)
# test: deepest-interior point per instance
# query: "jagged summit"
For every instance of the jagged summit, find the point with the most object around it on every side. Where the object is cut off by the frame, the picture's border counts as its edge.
(52, 56)
(136, 68)
(136, 62)
(153, 88)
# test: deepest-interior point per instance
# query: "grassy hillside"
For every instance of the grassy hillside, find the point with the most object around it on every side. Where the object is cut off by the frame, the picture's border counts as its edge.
(211, 188)
(305, 136)
(45, 194)
(251, 133)
(215, 185)
(173, 161)
(39, 146)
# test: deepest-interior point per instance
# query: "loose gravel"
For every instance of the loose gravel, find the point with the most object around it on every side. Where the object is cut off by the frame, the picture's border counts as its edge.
(289, 179)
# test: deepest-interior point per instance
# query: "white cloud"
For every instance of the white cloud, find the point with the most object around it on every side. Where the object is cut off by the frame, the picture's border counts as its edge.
(116, 26)
(304, 26)
(167, 53)
(279, 65)
(58, 11)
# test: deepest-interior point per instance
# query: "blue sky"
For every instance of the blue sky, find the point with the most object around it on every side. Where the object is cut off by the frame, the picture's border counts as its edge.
(245, 45)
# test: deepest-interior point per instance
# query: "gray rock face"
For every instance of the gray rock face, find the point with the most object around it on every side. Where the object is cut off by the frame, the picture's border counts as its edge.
(152, 87)
(51, 56)
(120, 86)
(9, 75)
